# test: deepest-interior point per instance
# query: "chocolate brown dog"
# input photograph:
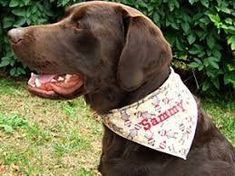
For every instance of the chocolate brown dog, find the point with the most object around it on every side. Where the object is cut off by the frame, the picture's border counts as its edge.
(115, 56)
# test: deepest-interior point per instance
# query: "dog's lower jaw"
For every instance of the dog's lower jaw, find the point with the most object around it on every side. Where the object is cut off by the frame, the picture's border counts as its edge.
(112, 96)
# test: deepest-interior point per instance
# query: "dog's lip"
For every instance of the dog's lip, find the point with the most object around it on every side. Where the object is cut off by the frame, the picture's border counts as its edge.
(50, 86)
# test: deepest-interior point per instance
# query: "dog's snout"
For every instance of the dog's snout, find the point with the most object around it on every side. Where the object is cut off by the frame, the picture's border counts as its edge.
(16, 35)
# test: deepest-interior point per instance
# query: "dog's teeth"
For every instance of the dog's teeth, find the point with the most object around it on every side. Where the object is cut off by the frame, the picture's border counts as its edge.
(53, 81)
(37, 82)
(68, 76)
(60, 78)
(34, 75)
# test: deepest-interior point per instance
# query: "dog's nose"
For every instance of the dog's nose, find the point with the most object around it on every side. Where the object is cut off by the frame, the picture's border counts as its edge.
(16, 35)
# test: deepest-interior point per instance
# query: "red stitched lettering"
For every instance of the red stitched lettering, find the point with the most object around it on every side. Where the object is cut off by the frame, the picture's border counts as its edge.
(154, 121)
(146, 124)
(173, 110)
(163, 116)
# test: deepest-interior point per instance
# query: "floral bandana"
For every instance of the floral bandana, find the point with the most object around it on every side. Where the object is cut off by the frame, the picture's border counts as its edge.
(165, 120)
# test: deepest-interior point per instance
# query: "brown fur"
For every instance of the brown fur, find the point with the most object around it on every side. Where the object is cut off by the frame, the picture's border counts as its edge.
(123, 57)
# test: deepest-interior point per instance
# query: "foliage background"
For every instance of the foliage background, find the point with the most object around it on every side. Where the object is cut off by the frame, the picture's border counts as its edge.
(201, 32)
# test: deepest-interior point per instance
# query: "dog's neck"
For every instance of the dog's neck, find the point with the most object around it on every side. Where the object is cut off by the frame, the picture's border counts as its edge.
(113, 96)
(153, 83)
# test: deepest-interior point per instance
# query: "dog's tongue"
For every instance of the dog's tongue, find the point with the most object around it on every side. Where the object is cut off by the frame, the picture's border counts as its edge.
(46, 78)
(52, 85)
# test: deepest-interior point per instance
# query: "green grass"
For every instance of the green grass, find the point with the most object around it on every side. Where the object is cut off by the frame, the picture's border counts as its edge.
(223, 113)
(48, 137)
(11, 123)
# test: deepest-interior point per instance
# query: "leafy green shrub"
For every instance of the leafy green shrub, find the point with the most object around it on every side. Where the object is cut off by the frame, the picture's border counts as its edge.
(201, 32)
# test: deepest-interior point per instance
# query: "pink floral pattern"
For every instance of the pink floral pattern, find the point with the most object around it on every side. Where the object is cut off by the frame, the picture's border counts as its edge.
(165, 120)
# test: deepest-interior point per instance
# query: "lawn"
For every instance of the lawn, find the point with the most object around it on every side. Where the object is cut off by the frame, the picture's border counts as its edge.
(59, 138)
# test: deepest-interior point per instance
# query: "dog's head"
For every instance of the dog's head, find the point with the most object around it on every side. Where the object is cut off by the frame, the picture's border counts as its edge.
(96, 44)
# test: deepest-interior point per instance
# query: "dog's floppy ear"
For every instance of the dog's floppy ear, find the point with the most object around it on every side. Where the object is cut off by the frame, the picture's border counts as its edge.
(145, 50)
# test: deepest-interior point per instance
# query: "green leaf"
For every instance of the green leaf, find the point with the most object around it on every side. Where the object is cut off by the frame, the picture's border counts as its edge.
(202, 54)
(201, 35)
(231, 41)
(229, 21)
(198, 61)
(177, 5)
(229, 78)
(195, 50)
(143, 4)
(216, 83)
(192, 1)
(205, 86)
(213, 59)
(174, 25)
(156, 17)
(210, 74)
(224, 9)
(194, 65)
(206, 62)
(217, 54)
(214, 18)
(20, 71)
(14, 3)
(204, 20)
(4, 3)
(213, 62)
(200, 68)
(19, 12)
(27, 2)
(20, 22)
(210, 41)
(191, 38)
(5, 62)
(205, 3)
(231, 67)
(171, 5)
(186, 27)
(179, 45)
(63, 3)
(196, 17)
(13, 72)
(8, 22)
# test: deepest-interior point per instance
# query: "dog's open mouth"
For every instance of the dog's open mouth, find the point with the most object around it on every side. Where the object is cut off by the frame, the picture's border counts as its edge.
(50, 86)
